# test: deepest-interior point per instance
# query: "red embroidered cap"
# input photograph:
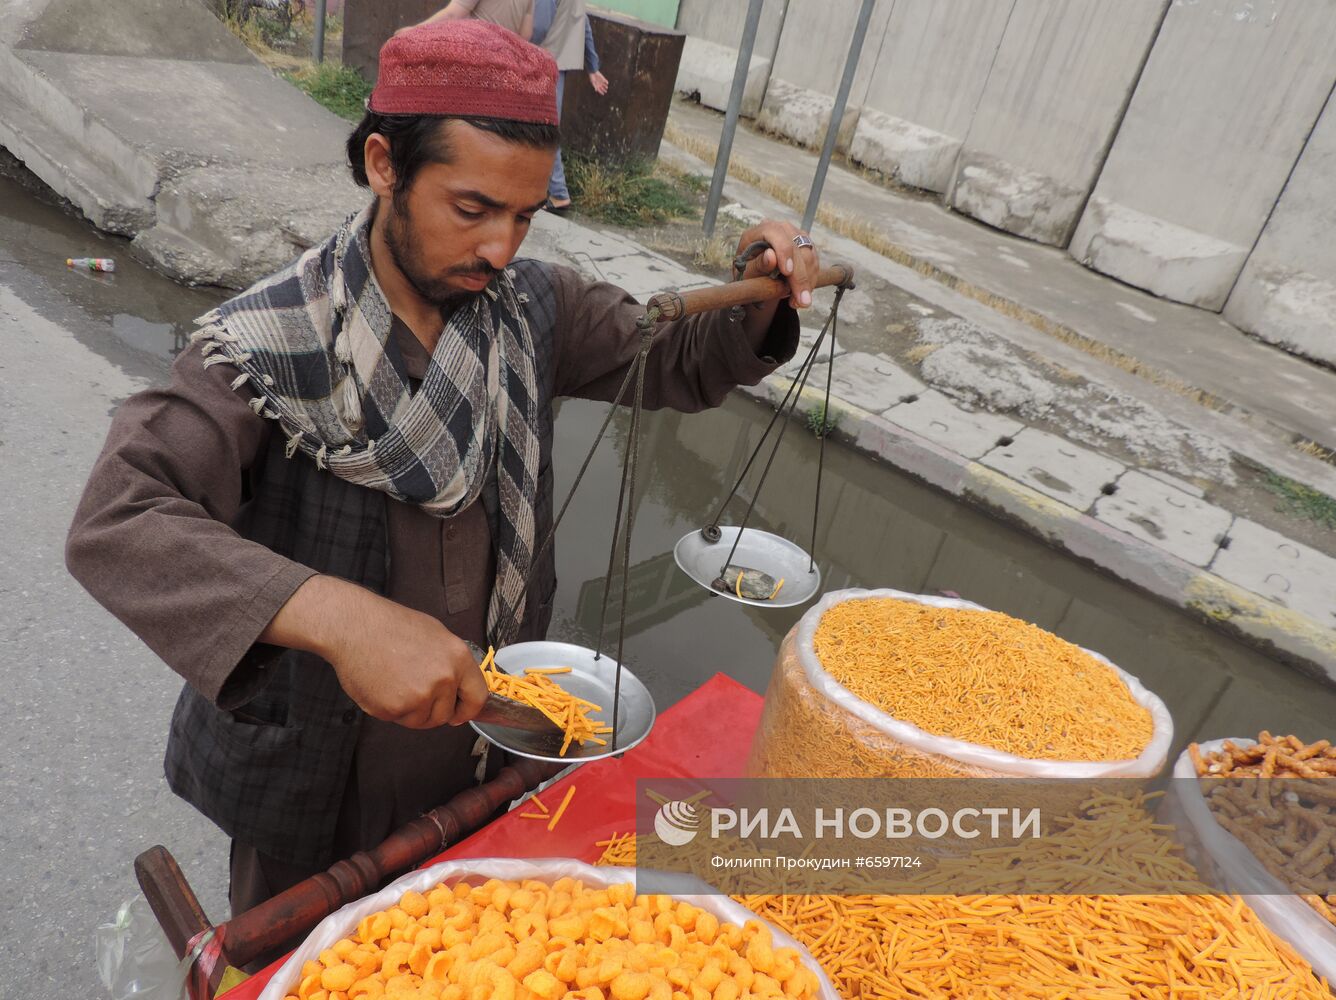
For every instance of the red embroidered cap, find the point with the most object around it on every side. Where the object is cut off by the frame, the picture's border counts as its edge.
(468, 68)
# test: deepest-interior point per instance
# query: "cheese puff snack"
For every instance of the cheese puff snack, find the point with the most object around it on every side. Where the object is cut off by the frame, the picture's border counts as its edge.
(527, 940)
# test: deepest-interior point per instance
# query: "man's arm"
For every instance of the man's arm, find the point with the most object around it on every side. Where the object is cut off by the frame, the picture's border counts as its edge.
(695, 361)
(591, 53)
(398, 664)
(152, 542)
(526, 26)
(151, 538)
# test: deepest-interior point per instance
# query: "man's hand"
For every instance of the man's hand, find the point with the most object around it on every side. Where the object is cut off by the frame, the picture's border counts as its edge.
(798, 266)
(397, 664)
(599, 82)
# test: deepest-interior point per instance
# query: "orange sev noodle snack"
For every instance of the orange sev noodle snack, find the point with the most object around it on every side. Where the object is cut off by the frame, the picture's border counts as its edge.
(537, 689)
(1036, 946)
(960, 673)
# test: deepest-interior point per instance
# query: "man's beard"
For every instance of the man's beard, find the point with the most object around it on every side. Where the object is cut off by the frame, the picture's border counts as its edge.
(401, 240)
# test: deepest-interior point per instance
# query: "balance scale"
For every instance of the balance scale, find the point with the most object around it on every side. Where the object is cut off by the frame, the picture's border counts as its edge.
(738, 562)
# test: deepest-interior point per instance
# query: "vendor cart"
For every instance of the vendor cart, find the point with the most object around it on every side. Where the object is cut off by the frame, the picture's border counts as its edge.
(687, 742)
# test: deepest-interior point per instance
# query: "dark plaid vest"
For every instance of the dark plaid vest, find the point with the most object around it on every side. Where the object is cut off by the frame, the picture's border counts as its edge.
(275, 777)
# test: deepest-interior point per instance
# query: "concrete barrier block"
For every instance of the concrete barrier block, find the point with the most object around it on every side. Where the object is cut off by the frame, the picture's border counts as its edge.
(706, 73)
(1227, 99)
(1287, 291)
(1053, 99)
(803, 116)
(1152, 253)
(1025, 202)
(723, 24)
(1287, 307)
(912, 154)
(926, 81)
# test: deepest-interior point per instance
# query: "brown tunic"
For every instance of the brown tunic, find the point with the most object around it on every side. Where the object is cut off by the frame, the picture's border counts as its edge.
(152, 539)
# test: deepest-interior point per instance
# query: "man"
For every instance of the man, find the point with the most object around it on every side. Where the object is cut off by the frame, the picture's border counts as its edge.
(561, 28)
(513, 15)
(347, 478)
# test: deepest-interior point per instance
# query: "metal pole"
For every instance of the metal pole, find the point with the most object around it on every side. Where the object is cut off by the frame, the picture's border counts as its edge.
(319, 41)
(837, 113)
(731, 117)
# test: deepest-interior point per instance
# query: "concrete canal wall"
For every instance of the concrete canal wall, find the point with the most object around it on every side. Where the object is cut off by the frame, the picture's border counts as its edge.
(1174, 145)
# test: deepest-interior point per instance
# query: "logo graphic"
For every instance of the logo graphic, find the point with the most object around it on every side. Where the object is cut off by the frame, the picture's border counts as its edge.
(677, 823)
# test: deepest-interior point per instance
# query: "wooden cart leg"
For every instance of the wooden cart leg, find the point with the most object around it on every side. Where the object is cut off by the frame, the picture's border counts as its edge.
(170, 898)
(295, 911)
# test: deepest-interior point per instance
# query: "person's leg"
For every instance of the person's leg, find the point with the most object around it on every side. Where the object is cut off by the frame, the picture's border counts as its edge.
(557, 192)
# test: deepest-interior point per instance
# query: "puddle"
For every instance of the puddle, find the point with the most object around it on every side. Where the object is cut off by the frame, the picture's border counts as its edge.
(877, 528)
(130, 316)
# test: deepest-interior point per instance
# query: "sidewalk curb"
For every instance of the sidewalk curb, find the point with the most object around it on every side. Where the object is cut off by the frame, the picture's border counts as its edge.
(1291, 636)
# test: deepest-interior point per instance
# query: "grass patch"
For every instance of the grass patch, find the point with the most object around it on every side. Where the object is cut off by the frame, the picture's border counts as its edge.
(1302, 500)
(820, 424)
(1315, 450)
(715, 253)
(637, 195)
(339, 88)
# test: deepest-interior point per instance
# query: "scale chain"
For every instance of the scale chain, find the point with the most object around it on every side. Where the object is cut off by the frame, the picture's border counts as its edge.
(794, 388)
(579, 477)
(637, 414)
(788, 405)
(825, 424)
(625, 500)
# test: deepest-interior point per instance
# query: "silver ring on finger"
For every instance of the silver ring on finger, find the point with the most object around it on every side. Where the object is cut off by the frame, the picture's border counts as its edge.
(802, 240)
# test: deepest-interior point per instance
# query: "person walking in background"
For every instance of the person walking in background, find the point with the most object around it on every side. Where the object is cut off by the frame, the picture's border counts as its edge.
(562, 27)
(513, 15)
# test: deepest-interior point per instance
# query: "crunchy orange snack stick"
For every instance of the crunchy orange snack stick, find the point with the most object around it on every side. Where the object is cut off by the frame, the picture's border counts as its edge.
(537, 689)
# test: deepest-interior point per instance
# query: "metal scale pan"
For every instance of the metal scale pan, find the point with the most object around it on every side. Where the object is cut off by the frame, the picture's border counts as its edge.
(591, 678)
(703, 560)
(761, 559)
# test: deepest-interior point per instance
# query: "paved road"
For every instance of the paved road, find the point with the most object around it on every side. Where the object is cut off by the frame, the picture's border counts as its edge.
(85, 703)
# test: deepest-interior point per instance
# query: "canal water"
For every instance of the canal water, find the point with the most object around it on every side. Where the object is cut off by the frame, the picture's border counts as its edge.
(877, 528)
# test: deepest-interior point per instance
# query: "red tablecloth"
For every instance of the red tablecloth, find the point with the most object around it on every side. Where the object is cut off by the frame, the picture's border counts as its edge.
(705, 735)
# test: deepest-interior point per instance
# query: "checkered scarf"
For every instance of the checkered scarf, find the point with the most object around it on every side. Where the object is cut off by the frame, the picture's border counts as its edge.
(313, 342)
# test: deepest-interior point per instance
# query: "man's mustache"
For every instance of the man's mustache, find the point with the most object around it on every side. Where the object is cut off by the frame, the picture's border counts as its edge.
(479, 268)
